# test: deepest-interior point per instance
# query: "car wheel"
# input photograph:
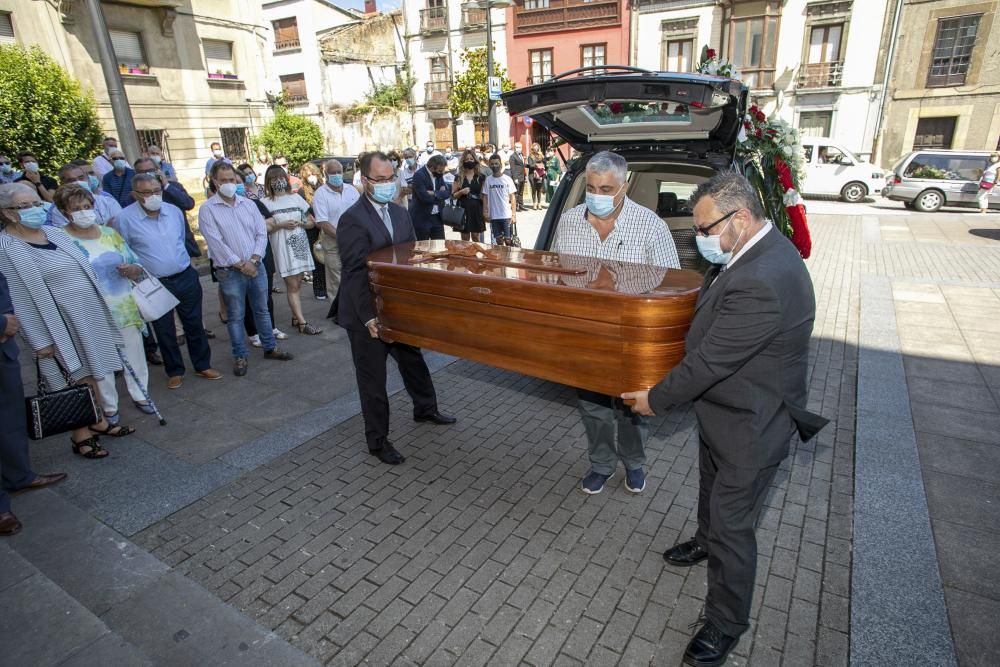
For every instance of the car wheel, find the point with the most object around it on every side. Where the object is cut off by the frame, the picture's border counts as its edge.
(854, 192)
(929, 201)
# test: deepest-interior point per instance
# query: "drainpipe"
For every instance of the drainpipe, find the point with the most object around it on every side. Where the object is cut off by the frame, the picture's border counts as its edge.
(633, 31)
(889, 61)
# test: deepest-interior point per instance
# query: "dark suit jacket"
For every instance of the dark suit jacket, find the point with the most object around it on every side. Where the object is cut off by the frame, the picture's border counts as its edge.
(427, 194)
(176, 194)
(8, 347)
(747, 357)
(359, 233)
(516, 167)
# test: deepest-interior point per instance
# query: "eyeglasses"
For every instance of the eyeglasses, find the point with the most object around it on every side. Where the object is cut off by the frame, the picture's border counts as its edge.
(25, 207)
(704, 231)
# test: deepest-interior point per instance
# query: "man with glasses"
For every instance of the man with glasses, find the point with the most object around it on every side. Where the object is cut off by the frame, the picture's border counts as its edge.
(746, 369)
(155, 232)
(372, 223)
(610, 226)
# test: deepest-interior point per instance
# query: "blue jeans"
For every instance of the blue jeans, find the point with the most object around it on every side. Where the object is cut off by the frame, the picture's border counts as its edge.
(501, 229)
(236, 290)
(603, 418)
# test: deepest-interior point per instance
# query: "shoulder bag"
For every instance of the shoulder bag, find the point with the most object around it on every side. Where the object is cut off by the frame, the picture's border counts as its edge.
(153, 299)
(54, 412)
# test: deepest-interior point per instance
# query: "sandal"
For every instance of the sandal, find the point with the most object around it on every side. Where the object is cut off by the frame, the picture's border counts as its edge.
(89, 448)
(113, 431)
(308, 329)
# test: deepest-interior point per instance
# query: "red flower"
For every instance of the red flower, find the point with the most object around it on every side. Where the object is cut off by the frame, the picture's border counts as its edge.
(747, 124)
(616, 107)
(710, 54)
(754, 110)
(784, 175)
(800, 230)
(760, 134)
(761, 117)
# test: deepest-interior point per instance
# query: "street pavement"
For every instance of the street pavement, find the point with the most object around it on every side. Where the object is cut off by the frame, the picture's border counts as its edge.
(255, 529)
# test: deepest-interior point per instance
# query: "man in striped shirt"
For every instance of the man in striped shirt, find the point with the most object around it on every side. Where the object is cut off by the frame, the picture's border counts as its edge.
(610, 226)
(236, 236)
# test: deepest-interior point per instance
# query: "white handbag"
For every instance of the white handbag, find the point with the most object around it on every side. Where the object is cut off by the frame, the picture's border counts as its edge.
(154, 300)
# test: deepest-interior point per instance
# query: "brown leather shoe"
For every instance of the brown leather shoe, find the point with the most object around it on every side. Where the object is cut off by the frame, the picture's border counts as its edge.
(9, 525)
(175, 381)
(41, 481)
(209, 374)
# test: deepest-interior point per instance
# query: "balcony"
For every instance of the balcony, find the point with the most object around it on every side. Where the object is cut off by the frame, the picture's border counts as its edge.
(295, 100)
(563, 15)
(473, 18)
(821, 75)
(434, 20)
(287, 45)
(436, 94)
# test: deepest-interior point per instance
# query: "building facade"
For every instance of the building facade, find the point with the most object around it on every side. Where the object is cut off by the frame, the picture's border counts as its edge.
(437, 32)
(547, 37)
(191, 78)
(945, 79)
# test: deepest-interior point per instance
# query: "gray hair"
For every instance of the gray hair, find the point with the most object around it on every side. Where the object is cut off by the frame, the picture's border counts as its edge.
(328, 163)
(605, 161)
(144, 178)
(730, 191)
(8, 190)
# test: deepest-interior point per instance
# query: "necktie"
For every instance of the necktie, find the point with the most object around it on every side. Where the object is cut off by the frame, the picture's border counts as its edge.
(387, 221)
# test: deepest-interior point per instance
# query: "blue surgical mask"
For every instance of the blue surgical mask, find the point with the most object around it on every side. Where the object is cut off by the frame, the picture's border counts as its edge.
(156, 159)
(710, 247)
(384, 193)
(33, 217)
(602, 205)
(94, 183)
(241, 190)
(121, 165)
(5, 168)
(251, 179)
(335, 180)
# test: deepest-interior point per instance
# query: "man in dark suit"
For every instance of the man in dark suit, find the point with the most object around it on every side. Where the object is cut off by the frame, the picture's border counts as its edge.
(430, 193)
(517, 174)
(15, 465)
(374, 222)
(746, 369)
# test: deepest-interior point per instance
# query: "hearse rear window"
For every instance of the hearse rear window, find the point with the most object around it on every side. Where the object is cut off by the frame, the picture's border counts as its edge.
(618, 113)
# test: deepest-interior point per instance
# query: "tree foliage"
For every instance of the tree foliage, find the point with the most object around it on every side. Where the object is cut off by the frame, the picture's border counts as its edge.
(470, 93)
(44, 110)
(296, 137)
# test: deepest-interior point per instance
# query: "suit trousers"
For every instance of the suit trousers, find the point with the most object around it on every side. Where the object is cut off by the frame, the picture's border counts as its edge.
(603, 418)
(319, 271)
(187, 288)
(15, 464)
(434, 231)
(730, 500)
(369, 356)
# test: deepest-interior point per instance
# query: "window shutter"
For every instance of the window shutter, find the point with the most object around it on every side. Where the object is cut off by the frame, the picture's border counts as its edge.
(218, 55)
(286, 30)
(128, 47)
(6, 30)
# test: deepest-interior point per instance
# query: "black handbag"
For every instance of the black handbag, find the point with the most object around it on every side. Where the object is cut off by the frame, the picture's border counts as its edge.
(515, 240)
(453, 216)
(54, 412)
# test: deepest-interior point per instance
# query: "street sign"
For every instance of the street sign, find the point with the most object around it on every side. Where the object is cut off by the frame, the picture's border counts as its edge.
(495, 88)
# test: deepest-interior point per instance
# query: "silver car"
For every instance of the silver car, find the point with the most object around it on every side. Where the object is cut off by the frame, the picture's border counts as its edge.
(929, 179)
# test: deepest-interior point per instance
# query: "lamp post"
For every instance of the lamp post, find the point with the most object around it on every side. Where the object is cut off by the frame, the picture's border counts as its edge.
(489, 5)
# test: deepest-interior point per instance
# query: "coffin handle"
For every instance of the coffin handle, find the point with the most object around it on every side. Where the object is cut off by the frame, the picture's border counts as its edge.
(485, 291)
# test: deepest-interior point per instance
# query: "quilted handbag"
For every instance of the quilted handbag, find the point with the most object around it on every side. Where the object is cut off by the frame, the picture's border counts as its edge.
(55, 412)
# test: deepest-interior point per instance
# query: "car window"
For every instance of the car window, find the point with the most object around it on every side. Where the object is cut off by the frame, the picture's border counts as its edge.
(946, 167)
(831, 155)
(807, 152)
(617, 113)
(673, 199)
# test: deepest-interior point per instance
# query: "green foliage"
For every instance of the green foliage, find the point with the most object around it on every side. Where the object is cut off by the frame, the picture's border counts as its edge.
(386, 97)
(44, 110)
(470, 93)
(296, 137)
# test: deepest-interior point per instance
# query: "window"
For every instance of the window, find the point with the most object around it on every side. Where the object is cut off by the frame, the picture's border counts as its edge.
(953, 50)
(934, 133)
(439, 68)
(234, 143)
(129, 52)
(286, 34)
(6, 29)
(218, 57)
(824, 43)
(823, 67)
(753, 42)
(293, 87)
(815, 123)
(593, 54)
(536, 4)
(541, 65)
(678, 55)
(952, 167)
(149, 138)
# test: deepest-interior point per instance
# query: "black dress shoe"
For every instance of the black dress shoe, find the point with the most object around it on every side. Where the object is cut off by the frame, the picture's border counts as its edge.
(685, 554)
(709, 647)
(435, 418)
(388, 454)
(154, 358)
(9, 525)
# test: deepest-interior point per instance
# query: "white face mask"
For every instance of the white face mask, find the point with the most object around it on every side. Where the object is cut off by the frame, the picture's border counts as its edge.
(227, 190)
(156, 159)
(153, 202)
(110, 149)
(312, 180)
(85, 218)
(217, 153)
(31, 166)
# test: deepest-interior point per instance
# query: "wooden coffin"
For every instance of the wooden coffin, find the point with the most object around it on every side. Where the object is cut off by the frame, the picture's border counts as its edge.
(595, 324)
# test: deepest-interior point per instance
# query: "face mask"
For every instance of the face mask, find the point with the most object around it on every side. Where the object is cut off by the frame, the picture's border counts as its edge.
(602, 205)
(517, 149)
(85, 218)
(279, 184)
(384, 193)
(227, 190)
(6, 169)
(395, 163)
(33, 217)
(469, 165)
(217, 154)
(93, 182)
(109, 150)
(430, 149)
(83, 184)
(312, 180)
(31, 166)
(410, 161)
(241, 190)
(156, 159)
(251, 178)
(153, 203)
(120, 165)
(710, 247)
(335, 180)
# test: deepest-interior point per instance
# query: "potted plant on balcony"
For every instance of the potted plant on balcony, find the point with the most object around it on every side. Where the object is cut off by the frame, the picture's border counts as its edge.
(139, 69)
(216, 74)
(122, 68)
(228, 75)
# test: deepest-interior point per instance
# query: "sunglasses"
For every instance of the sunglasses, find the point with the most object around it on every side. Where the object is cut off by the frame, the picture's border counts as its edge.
(704, 231)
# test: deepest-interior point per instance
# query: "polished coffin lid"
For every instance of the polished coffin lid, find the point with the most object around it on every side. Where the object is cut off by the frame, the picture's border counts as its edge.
(596, 324)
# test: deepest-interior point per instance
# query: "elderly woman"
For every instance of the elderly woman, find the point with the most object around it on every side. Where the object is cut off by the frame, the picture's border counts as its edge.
(57, 297)
(312, 179)
(116, 268)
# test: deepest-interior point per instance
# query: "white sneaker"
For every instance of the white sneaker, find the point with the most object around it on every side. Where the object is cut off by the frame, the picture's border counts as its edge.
(279, 334)
(255, 341)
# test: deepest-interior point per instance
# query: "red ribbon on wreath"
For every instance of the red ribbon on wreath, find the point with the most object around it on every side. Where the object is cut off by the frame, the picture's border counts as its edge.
(796, 213)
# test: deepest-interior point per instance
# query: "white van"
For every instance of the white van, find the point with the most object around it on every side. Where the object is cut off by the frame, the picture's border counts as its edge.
(831, 169)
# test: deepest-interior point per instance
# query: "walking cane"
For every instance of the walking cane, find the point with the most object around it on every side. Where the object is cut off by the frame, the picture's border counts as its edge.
(145, 391)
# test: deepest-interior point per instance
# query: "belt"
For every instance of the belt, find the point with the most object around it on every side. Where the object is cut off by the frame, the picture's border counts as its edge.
(176, 275)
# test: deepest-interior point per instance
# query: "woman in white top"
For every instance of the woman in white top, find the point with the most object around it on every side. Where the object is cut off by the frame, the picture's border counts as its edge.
(289, 243)
(987, 182)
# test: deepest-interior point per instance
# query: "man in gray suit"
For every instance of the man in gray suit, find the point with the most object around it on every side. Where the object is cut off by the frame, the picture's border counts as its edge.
(745, 368)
